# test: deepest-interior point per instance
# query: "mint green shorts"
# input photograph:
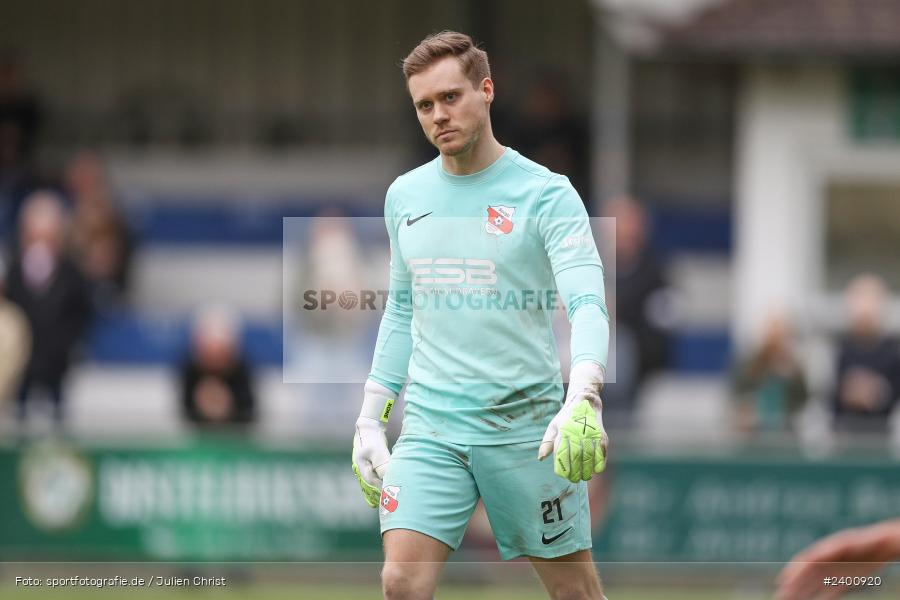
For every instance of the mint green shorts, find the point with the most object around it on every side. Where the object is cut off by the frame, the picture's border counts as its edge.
(432, 487)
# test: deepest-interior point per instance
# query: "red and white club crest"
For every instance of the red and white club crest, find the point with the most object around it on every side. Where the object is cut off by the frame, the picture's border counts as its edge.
(389, 500)
(499, 219)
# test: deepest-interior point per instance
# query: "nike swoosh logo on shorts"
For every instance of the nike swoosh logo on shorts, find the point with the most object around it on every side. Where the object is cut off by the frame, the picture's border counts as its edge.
(545, 540)
(411, 221)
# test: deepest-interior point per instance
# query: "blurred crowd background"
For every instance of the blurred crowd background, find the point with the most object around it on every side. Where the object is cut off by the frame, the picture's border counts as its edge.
(749, 151)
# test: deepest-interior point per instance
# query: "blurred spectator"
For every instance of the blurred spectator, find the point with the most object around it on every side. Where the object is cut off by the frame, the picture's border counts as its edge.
(216, 383)
(52, 292)
(15, 342)
(868, 368)
(20, 119)
(332, 265)
(640, 310)
(548, 132)
(100, 238)
(769, 385)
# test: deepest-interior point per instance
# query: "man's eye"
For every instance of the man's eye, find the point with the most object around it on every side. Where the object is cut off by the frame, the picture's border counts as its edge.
(425, 106)
(450, 97)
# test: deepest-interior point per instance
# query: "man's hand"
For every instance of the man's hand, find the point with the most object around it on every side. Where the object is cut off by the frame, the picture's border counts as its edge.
(576, 435)
(370, 449)
(370, 458)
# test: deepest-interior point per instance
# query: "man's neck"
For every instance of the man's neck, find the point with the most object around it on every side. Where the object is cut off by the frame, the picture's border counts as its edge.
(482, 155)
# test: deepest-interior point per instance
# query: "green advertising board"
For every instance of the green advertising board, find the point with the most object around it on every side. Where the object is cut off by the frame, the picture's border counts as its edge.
(874, 103)
(224, 500)
(203, 501)
(739, 510)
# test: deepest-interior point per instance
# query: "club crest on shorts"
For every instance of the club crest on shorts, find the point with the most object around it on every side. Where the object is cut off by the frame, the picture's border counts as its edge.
(499, 220)
(389, 500)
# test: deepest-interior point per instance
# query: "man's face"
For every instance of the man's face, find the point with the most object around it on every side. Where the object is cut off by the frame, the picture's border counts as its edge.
(452, 111)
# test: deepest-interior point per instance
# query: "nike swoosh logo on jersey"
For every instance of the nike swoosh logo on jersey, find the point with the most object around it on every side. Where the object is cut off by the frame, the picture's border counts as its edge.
(411, 221)
(545, 540)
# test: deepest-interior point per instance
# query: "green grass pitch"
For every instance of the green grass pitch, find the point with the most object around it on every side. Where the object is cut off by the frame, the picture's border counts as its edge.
(370, 592)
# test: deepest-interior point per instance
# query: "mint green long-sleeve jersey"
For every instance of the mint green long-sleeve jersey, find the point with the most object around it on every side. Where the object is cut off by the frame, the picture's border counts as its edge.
(478, 264)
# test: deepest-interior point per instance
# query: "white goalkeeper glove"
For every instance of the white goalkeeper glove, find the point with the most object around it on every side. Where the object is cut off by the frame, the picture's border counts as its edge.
(575, 435)
(370, 450)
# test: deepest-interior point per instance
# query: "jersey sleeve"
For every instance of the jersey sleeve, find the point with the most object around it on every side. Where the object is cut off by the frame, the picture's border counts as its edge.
(565, 228)
(582, 290)
(393, 346)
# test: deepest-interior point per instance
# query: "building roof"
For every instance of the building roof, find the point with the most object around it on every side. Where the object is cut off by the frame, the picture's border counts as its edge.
(791, 27)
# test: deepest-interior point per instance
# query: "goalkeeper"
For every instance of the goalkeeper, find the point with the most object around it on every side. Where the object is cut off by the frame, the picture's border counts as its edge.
(481, 240)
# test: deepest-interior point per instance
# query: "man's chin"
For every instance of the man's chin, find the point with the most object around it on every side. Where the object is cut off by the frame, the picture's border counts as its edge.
(451, 148)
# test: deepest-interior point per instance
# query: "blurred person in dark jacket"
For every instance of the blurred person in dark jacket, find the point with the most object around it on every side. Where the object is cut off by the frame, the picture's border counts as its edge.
(101, 240)
(20, 119)
(53, 294)
(868, 367)
(769, 385)
(216, 382)
(548, 131)
(15, 342)
(640, 310)
(18, 105)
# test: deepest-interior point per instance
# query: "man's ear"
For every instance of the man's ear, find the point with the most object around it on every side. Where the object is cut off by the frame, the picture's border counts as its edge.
(487, 88)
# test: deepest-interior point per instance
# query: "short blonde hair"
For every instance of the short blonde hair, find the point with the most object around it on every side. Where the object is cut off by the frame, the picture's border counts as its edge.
(436, 46)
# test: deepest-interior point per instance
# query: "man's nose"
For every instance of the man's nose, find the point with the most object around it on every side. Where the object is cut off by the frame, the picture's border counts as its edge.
(439, 115)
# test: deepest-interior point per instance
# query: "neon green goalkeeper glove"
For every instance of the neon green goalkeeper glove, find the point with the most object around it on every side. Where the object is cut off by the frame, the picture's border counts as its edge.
(370, 450)
(575, 435)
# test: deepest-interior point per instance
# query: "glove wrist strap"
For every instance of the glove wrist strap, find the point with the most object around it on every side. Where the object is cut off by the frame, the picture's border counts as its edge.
(378, 402)
(586, 377)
